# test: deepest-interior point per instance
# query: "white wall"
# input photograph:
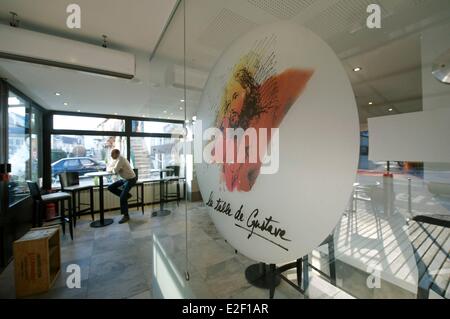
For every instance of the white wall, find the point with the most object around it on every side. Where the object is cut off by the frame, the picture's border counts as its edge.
(422, 136)
(415, 137)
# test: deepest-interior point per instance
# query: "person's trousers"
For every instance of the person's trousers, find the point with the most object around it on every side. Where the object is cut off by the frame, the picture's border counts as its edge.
(123, 192)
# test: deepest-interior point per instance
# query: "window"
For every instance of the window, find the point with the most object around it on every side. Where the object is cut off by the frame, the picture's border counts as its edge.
(36, 144)
(157, 127)
(148, 153)
(24, 146)
(87, 123)
(83, 144)
(19, 147)
(82, 153)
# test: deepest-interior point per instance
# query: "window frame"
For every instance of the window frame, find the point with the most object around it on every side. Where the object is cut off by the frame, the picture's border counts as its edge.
(31, 107)
(127, 133)
(90, 116)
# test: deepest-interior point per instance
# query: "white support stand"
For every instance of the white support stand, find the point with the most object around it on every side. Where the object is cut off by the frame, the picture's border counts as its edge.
(388, 188)
(409, 197)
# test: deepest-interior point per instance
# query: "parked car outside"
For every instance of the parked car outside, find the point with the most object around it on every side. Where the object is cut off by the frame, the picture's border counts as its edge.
(82, 165)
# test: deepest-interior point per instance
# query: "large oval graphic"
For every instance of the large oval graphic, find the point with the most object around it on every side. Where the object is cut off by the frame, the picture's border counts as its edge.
(281, 93)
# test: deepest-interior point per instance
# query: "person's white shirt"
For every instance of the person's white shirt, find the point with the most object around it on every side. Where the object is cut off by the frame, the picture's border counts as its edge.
(121, 167)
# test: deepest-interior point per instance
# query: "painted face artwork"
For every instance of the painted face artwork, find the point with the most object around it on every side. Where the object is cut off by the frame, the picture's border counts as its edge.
(282, 88)
(247, 103)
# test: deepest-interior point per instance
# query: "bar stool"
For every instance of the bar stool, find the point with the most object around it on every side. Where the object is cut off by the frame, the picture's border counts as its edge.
(40, 200)
(139, 201)
(175, 179)
(70, 183)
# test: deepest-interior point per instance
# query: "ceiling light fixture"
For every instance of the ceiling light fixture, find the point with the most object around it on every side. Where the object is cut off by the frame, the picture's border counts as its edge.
(181, 101)
(391, 109)
(65, 103)
(165, 112)
(370, 103)
(181, 108)
(79, 111)
(58, 94)
(357, 69)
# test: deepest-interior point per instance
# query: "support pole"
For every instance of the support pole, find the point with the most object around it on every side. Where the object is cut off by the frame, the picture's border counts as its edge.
(409, 197)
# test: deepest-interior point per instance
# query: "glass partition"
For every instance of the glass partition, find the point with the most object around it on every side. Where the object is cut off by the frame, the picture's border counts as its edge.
(389, 237)
(171, 100)
(389, 242)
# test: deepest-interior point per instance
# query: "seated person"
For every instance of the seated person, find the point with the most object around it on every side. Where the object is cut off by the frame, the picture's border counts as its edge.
(121, 167)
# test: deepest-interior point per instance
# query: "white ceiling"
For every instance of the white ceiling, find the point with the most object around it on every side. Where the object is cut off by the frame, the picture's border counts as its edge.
(390, 57)
(129, 25)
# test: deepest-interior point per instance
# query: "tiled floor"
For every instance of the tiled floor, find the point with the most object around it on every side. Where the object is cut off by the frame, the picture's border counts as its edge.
(146, 258)
(371, 241)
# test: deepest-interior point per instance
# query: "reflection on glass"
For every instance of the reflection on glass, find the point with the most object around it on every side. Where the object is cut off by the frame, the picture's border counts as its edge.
(18, 147)
(82, 153)
(36, 144)
(168, 282)
(150, 153)
(157, 127)
(86, 123)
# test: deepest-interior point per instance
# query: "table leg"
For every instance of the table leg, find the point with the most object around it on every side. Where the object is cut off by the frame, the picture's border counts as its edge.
(102, 222)
(71, 219)
(102, 207)
(91, 202)
(74, 208)
(161, 211)
(142, 197)
(161, 193)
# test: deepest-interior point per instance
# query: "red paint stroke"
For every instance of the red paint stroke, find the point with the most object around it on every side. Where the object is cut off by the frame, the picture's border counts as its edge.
(260, 106)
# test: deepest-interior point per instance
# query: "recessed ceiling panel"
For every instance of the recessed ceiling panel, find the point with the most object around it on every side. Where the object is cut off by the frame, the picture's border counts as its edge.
(224, 28)
(282, 9)
(344, 15)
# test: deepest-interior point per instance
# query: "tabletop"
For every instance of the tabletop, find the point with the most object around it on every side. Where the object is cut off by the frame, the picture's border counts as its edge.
(162, 170)
(101, 173)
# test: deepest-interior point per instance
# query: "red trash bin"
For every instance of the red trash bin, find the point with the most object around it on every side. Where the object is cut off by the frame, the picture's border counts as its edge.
(50, 211)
